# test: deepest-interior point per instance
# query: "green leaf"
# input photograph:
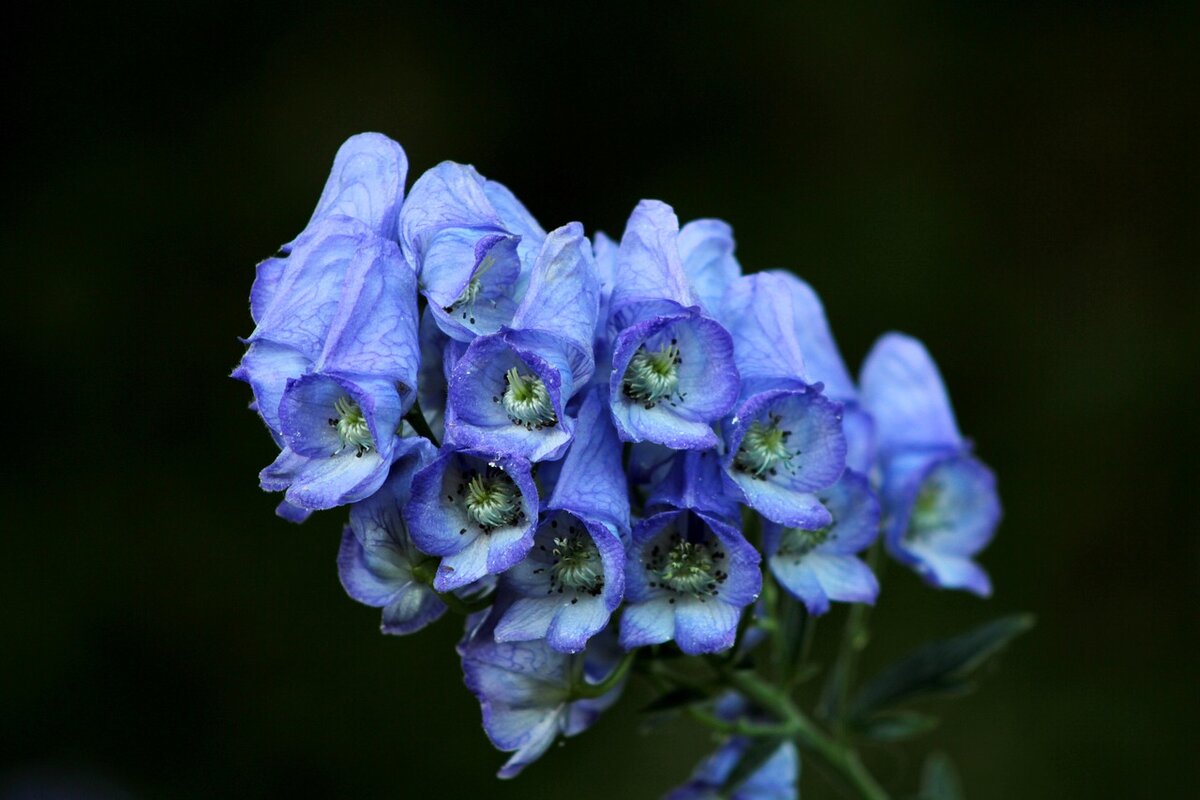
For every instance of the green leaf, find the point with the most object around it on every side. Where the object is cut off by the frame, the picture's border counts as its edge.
(753, 757)
(939, 779)
(894, 726)
(939, 668)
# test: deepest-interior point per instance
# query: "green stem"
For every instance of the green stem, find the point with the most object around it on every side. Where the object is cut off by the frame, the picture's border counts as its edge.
(855, 637)
(416, 419)
(839, 758)
(582, 688)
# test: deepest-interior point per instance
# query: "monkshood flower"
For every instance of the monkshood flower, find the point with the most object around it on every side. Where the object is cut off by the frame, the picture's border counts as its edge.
(785, 440)
(508, 393)
(688, 575)
(332, 364)
(574, 577)
(472, 244)
(940, 502)
(688, 479)
(377, 558)
(774, 780)
(531, 694)
(474, 511)
(366, 184)
(818, 565)
(673, 370)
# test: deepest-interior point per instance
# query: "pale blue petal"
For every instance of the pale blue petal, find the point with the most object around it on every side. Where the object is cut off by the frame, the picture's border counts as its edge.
(564, 289)
(903, 392)
(648, 262)
(366, 183)
(706, 250)
(705, 626)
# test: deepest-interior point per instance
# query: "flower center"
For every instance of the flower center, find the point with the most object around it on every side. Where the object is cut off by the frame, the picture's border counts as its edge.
(927, 515)
(688, 567)
(797, 543)
(576, 565)
(526, 401)
(492, 501)
(764, 447)
(351, 426)
(653, 375)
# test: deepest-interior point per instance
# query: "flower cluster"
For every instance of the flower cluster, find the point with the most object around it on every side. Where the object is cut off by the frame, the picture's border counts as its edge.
(587, 447)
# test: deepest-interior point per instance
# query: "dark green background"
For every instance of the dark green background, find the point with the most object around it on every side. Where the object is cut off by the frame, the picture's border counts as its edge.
(1016, 186)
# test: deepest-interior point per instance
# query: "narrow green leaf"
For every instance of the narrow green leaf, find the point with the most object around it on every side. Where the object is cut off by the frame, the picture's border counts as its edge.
(939, 668)
(894, 726)
(753, 757)
(939, 779)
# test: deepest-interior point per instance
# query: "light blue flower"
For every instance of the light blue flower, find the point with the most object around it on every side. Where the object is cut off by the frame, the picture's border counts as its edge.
(509, 392)
(821, 564)
(673, 369)
(529, 692)
(574, 577)
(475, 512)
(940, 503)
(688, 575)
(472, 244)
(333, 364)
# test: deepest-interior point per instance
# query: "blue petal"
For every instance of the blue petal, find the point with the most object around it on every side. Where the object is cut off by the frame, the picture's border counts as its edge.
(592, 481)
(310, 289)
(564, 289)
(651, 622)
(855, 511)
(268, 367)
(823, 363)
(439, 524)
(516, 218)
(453, 260)
(774, 780)
(648, 262)
(705, 626)
(449, 195)
(366, 183)
(708, 382)
(783, 493)
(799, 579)
(375, 329)
(694, 480)
(844, 578)
(902, 390)
(706, 250)
(761, 318)
(476, 417)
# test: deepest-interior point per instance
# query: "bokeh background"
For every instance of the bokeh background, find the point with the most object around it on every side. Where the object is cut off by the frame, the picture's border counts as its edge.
(1015, 185)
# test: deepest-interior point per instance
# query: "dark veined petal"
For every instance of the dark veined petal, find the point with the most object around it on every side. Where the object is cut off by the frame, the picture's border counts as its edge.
(366, 183)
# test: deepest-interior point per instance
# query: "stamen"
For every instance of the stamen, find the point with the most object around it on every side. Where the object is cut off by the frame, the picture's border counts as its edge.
(688, 567)
(351, 426)
(653, 376)
(797, 543)
(928, 515)
(527, 402)
(492, 501)
(764, 448)
(576, 565)
(466, 298)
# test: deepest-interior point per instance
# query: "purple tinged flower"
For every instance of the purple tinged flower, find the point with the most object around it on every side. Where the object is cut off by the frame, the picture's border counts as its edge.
(673, 368)
(365, 184)
(474, 511)
(775, 779)
(529, 692)
(941, 503)
(818, 565)
(472, 243)
(377, 555)
(574, 577)
(786, 439)
(509, 391)
(332, 363)
(688, 576)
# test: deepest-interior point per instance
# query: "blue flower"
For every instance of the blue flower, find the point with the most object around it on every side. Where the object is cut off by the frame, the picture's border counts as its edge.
(365, 184)
(574, 577)
(941, 503)
(474, 511)
(688, 576)
(377, 555)
(818, 565)
(685, 479)
(333, 362)
(785, 441)
(472, 244)
(775, 779)
(509, 391)
(673, 369)
(529, 692)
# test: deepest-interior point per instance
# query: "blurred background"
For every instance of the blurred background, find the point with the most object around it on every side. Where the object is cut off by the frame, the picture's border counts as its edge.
(1016, 186)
